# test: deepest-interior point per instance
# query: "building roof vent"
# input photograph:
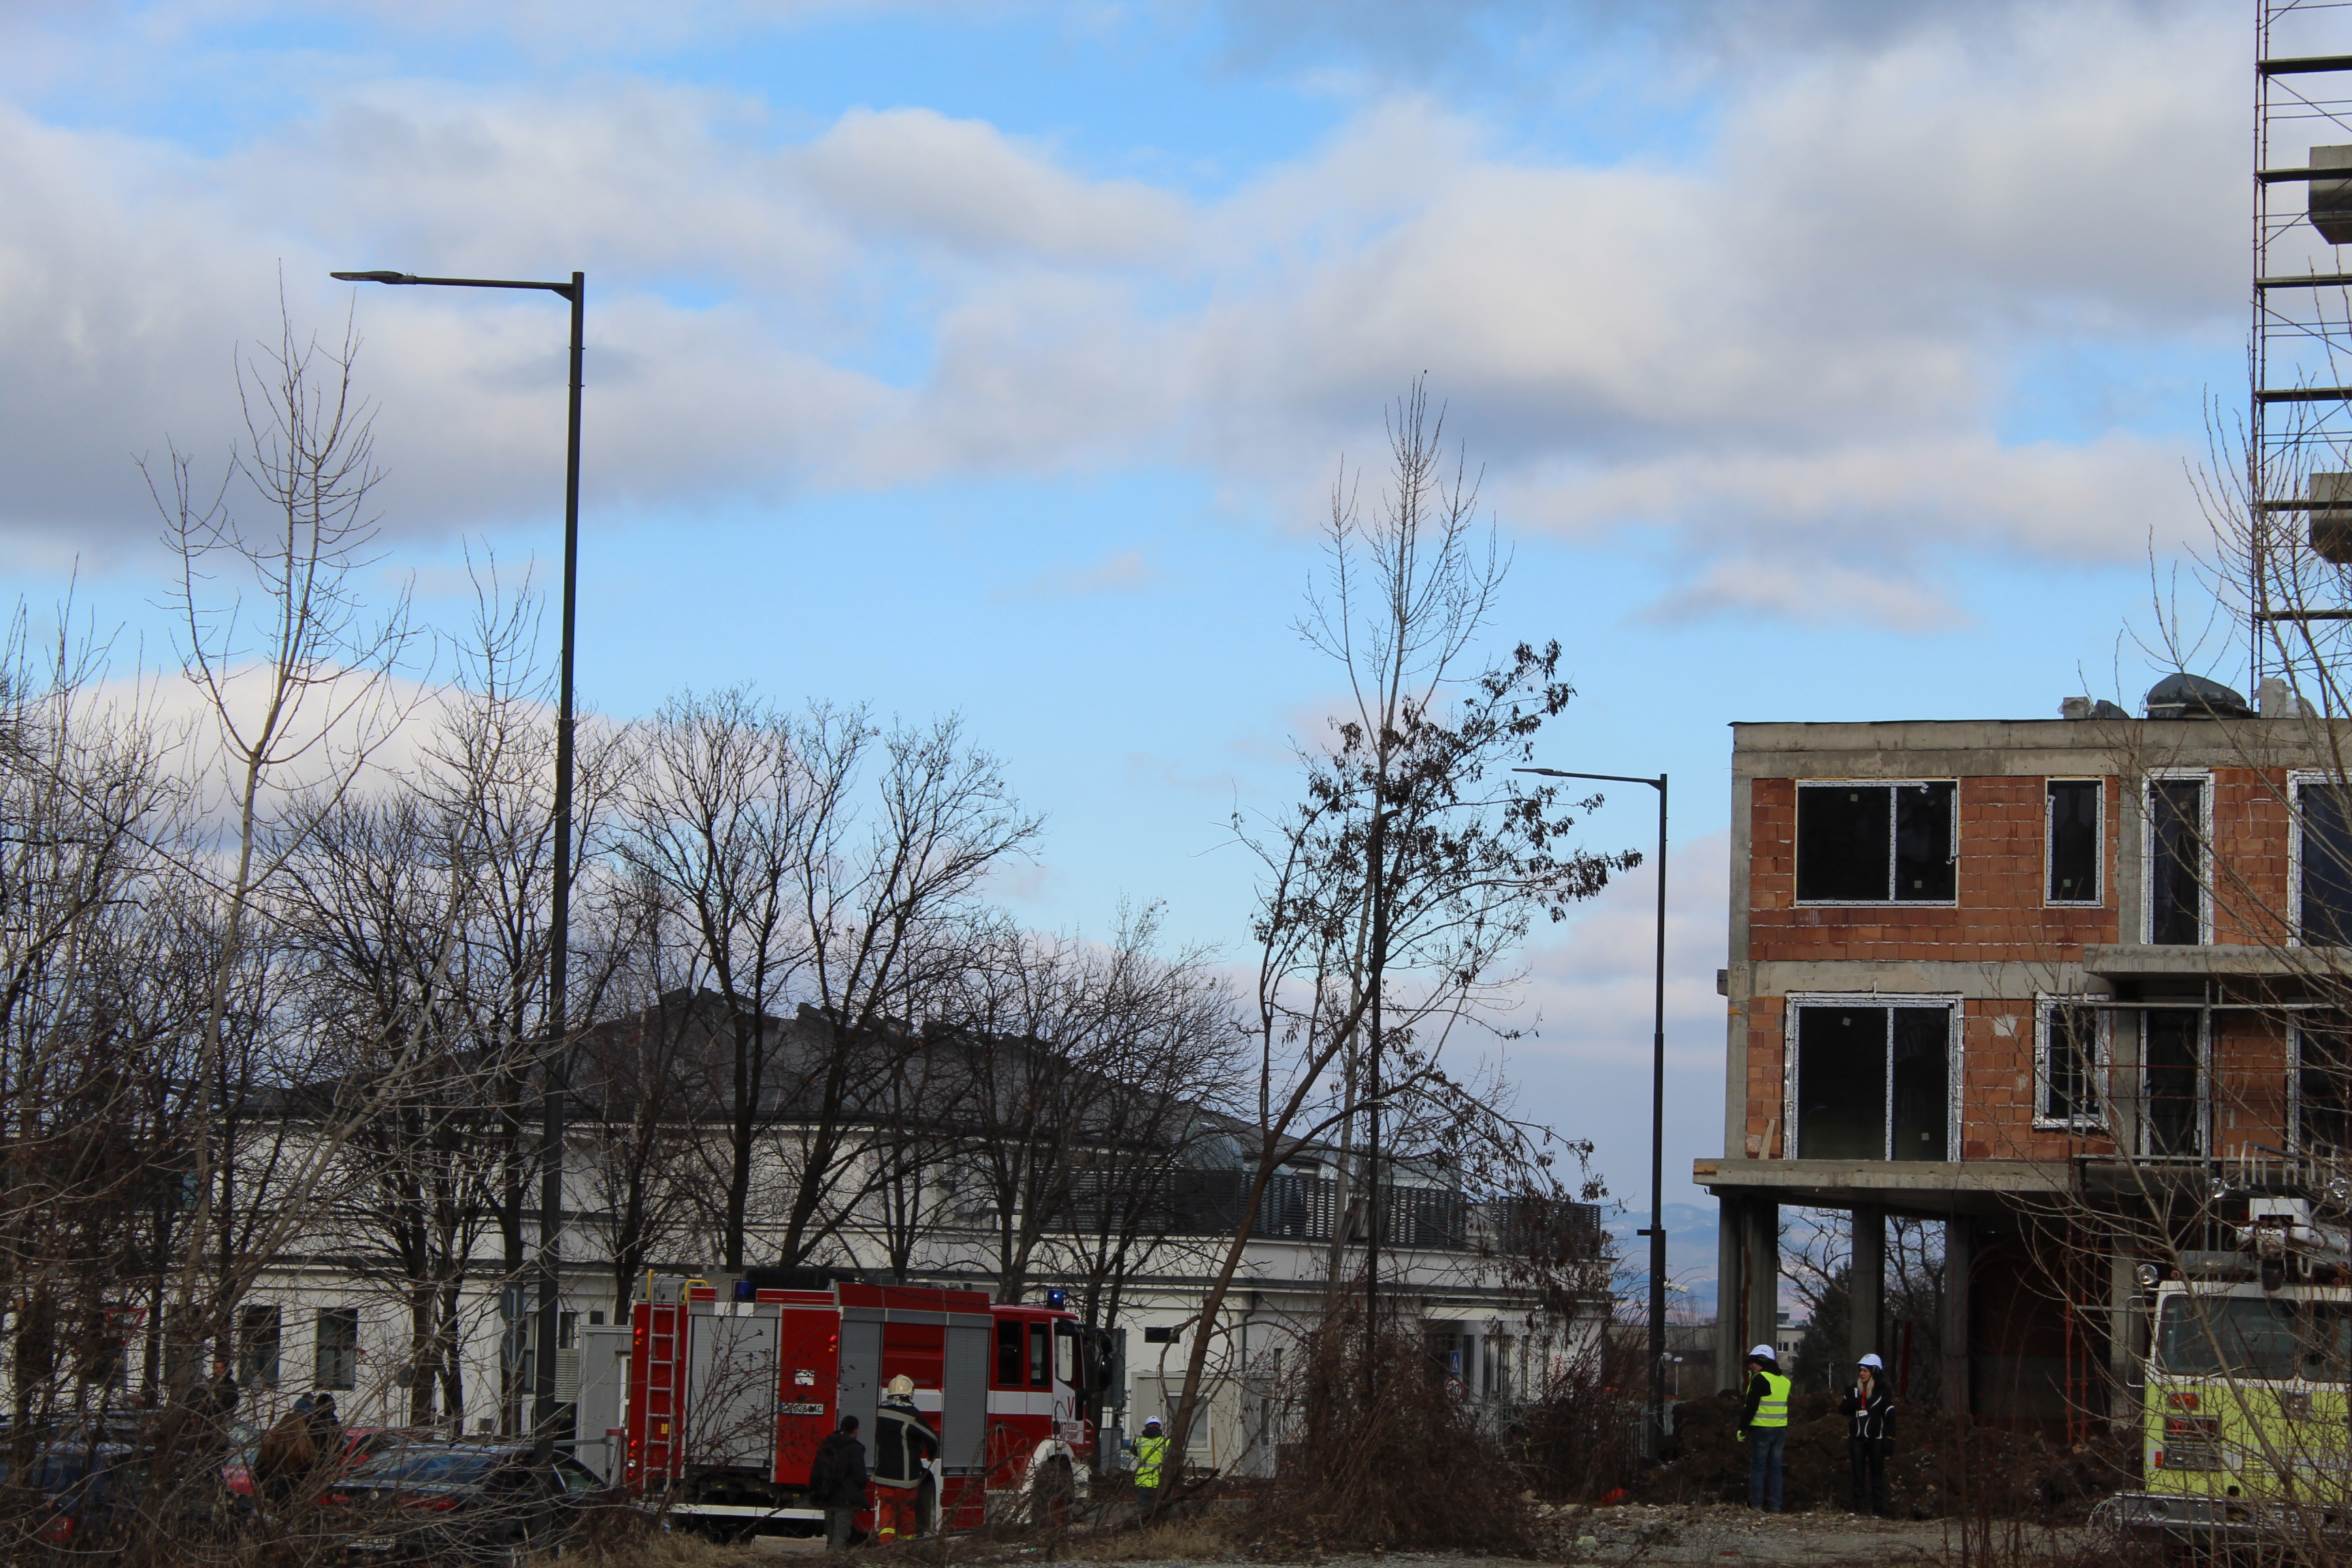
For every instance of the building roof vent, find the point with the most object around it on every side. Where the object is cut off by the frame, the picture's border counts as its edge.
(2186, 696)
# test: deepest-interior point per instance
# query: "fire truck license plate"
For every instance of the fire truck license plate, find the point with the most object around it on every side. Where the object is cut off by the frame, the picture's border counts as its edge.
(816, 1408)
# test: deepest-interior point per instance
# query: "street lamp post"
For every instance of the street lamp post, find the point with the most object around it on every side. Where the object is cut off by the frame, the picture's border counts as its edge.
(551, 1199)
(1657, 1231)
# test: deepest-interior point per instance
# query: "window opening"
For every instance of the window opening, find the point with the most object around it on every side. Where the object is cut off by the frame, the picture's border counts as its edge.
(256, 1346)
(2325, 880)
(2176, 893)
(1008, 1353)
(2171, 1057)
(1876, 844)
(1065, 1355)
(2073, 850)
(1040, 1366)
(338, 1365)
(1873, 1082)
(2324, 1088)
(1919, 1100)
(2070, 1064)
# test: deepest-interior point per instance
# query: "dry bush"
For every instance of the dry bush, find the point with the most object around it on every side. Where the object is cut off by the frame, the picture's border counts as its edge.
(1395, 1459)
(1581, 1439)
(1941, 1469)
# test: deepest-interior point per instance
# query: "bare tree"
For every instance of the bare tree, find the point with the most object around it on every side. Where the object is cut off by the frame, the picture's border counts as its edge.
(1395, 895)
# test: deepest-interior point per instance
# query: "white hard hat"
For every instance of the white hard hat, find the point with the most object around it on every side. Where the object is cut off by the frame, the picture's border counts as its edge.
(1872, 1361)
(902, 1385)
(1763, 1353)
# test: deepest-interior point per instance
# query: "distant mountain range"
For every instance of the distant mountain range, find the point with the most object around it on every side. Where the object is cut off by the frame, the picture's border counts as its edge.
(1690, 1257)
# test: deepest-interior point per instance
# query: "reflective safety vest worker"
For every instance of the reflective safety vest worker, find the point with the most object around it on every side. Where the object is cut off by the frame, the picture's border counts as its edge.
(1772, 1410)
(1150, 1451)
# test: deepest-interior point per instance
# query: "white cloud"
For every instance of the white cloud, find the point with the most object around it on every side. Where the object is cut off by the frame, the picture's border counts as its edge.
(1800, 349)
(1126, 572)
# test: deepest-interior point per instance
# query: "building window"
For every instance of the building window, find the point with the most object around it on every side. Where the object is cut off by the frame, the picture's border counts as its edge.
(2324, 1088)
(256, 1346)
(2322, 857)
(2074, 842)
(1873, 1081)
(2069, 1058)
(339, 1348)
(1876, 842)
(2176, 860)
(2172, 1060)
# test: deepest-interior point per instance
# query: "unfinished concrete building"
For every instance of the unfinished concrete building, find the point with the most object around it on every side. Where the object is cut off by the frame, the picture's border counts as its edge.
(2069, 986)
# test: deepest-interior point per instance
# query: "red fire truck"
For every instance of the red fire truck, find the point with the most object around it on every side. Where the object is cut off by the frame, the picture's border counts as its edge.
(731, 1386)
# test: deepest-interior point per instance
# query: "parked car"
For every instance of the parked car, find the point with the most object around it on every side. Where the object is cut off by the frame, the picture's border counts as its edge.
(360, 1444)
(462, 1501)
(78, 1484)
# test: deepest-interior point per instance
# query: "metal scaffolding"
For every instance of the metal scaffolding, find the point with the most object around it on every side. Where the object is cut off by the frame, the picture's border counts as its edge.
(2298, 429)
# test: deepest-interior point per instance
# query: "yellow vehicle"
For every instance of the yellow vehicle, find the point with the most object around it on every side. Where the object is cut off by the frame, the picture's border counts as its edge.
(2247, 1435)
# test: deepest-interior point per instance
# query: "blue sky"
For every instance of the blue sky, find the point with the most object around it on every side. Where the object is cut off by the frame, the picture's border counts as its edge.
(1825, 359)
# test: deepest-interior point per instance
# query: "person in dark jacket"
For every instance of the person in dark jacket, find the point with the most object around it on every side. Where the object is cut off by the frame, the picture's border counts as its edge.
(837, 1482)
(1764, 1427)
(1871, 1437)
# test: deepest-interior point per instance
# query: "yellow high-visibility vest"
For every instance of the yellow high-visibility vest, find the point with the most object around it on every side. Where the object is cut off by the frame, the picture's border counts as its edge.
(1772, 1410)
(1149, 1454)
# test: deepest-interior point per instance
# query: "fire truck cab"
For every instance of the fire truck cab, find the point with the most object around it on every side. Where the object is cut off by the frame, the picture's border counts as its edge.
(728, 1391)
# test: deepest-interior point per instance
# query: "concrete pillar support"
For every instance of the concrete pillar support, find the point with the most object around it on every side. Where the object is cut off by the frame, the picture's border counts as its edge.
(2127, 1314)
(1730, 1285)
(1763, 1271)
(1866, 1287)
(1959, 1235)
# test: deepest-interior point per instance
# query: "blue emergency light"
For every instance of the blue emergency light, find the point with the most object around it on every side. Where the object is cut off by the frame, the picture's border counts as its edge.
(1055, 1297)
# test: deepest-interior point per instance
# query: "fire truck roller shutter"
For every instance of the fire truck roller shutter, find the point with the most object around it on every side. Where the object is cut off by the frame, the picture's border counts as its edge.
(861, 1371)
(732, 1385)
(964, 1401)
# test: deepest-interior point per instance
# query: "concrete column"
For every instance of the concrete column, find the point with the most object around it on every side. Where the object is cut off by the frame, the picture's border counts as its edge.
(1730, 1285)
(2124, 1316)
(1763, 1312)
(1960, 1234)
(1867, 1286)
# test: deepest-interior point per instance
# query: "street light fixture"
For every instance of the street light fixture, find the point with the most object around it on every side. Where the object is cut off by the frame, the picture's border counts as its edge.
(550, 1199)
(1657, 1231)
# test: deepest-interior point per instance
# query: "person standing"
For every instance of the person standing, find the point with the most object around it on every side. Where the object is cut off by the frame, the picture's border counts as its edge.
(1871, 1437)
(837, 1482)
(1150, 1454)
(1764, 1427)
(902, 1441)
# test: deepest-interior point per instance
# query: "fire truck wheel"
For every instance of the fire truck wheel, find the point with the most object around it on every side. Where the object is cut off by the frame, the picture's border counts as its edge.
(1050, 1494)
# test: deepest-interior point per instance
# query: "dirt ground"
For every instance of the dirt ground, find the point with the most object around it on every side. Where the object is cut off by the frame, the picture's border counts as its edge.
(1674, 1535)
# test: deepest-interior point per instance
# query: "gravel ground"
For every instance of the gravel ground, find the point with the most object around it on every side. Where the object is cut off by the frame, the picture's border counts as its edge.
(1720, 1534)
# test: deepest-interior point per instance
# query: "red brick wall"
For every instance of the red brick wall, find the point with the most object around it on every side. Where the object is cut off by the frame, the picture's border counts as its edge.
(1999, 917)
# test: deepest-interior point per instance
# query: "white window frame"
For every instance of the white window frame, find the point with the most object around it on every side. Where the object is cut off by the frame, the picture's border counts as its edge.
(2204, 1082)
(2098, 844)
(1889, 902)
(2294, 1086)
(2045, 1003)
(2204, 853)
(2295, 781)
(1957, 1028)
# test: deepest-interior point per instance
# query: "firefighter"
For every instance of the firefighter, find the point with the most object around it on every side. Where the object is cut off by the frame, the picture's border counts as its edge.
(1150, 1452)
(1872, 1434)
(1764, 1427)
(902, 1441)
(837, 1482)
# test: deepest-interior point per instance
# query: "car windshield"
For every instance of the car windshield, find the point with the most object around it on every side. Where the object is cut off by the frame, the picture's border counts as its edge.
(429, 1467)
(2262, 1337)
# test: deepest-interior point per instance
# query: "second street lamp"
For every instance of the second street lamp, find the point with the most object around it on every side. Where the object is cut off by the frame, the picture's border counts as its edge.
(1657, 1232)
(559, 935)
